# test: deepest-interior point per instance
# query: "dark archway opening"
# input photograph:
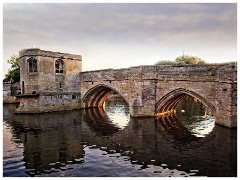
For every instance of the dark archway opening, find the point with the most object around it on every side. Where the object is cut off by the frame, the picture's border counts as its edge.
(195, 116)
(111, 103)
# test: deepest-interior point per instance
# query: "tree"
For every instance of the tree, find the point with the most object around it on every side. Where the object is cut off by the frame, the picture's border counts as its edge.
(13, 74)
(189, 59)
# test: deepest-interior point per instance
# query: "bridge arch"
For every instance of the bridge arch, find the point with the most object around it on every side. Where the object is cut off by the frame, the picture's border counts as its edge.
(96, 96)
(168, 103)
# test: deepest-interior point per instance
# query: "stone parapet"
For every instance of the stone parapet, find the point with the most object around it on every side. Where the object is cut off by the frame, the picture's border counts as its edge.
(224, 72)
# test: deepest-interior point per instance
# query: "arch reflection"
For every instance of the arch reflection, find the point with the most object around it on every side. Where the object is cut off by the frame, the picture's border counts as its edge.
(53, 141)
(99, 122)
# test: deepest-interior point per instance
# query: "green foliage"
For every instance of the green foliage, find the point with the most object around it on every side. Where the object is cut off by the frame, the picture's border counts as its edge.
(181, 60)
(13, 74)
(189, 59)
(165, 62)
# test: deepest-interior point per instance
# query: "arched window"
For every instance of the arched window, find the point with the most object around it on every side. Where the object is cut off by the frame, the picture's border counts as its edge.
(32, 65)
(59, 66)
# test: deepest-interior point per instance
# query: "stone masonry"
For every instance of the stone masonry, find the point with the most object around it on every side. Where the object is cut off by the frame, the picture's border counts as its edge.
(53, 81)
(154, 90)
(9, 92)
(47, 85)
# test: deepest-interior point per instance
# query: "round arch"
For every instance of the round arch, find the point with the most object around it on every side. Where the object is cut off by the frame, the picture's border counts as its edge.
(96, 96)
(169, 102)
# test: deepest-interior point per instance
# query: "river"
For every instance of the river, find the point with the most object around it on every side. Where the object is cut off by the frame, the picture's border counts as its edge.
(97, 142)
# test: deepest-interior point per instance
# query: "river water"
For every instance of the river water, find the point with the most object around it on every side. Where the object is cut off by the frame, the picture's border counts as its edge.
(97, 142)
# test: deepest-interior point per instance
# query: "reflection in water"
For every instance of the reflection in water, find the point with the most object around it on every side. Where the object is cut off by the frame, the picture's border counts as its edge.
(173, 127)
(50, 141)
(98, 122)
(90, 143)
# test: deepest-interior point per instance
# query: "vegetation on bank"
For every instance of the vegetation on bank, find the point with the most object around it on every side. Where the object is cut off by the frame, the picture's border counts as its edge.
(182, 60)
(13, 74)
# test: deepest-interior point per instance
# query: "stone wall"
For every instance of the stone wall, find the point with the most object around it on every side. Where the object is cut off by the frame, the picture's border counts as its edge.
(143, 87)
(48, 90)
(9, 92)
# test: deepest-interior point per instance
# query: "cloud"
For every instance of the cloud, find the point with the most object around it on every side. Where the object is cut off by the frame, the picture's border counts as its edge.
(144, 27)
(111, 19)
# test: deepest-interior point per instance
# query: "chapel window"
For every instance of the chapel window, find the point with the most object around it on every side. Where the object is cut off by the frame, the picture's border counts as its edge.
(32, 65)
(59, 66)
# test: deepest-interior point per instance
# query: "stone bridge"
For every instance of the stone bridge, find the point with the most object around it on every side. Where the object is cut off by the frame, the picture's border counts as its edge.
(157, 90)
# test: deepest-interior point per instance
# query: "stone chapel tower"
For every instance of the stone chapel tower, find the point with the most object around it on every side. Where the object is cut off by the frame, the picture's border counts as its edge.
(49, 81)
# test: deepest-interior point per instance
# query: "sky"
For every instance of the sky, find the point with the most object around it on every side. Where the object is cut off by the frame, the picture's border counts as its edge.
(121, 35)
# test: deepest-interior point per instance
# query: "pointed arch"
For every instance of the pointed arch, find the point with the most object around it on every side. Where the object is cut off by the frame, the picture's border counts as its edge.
(96, 96)
(169, 102)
